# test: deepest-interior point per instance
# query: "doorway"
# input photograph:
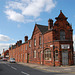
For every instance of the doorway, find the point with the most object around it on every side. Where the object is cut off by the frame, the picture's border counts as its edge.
(65, 57)
(23, 58)
(27, 58)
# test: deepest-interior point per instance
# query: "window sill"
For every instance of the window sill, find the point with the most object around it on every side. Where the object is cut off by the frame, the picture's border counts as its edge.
(48, 60)
(56, 61)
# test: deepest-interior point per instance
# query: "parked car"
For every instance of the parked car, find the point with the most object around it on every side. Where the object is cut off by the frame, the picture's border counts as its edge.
(12, 60)
(0, 57)
(4, 59)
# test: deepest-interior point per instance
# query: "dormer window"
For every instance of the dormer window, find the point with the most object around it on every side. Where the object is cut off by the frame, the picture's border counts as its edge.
(62, 35)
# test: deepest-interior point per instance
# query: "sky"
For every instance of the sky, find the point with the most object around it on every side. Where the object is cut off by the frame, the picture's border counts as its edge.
(18, 17)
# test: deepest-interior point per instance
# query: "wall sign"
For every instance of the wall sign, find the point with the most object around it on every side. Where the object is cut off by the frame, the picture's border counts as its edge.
(51, 45)
(66, 46)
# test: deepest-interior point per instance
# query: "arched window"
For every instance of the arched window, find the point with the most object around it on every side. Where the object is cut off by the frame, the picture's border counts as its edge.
(47, 54)
(56, 55)
(62, 35)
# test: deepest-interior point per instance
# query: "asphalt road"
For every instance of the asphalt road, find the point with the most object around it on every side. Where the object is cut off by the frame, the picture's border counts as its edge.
(7, 68)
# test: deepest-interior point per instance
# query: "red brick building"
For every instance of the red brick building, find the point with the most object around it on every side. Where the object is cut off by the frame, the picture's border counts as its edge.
(5, 54)
(49, 45)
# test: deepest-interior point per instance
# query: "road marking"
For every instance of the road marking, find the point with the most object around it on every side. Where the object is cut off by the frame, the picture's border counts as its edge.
(25, 73)
(13, 68)
(4, 63)
(8, 65)
(67, 69)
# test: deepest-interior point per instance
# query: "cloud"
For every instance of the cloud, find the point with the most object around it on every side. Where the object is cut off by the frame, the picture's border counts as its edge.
(23, 10)
(12, 15)
(4, 38)
(4, 46)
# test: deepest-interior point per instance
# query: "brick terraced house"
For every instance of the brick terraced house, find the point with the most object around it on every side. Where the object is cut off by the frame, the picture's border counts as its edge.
(49, 45)
(5, 54)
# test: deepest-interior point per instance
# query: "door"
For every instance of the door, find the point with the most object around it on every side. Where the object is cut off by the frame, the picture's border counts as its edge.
(74, 59)
(23, 58)
(27, 58)
(65, 57)
(41, 57)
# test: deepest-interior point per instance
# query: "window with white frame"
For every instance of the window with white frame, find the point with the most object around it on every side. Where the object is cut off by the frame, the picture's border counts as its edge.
(39, 40)
(29, 44)
(21, 56)
(56, 55)
(35, 54)
(47, 54)
(21, 48)
(25, 47)
(34, 42)
(25, 56)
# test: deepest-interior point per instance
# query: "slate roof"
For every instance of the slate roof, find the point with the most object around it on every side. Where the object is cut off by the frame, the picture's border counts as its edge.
(13, 46)
(42, 28)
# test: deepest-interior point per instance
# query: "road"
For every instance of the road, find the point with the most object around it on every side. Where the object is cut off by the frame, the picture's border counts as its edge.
(7, 68)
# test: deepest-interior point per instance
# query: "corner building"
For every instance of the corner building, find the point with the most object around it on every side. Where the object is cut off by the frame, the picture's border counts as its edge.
(49, 45)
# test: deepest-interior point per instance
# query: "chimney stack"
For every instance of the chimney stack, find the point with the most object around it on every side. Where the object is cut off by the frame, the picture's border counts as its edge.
(20, 41)
(50, 24)
(3, 50)
(26, 38)
(16, 43)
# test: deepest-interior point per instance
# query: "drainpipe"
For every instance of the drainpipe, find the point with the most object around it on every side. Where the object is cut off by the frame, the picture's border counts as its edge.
(53, 54)
(31, 51)
(42, 61)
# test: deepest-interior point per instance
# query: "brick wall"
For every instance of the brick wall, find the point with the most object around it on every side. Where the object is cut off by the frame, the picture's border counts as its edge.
(48, 38)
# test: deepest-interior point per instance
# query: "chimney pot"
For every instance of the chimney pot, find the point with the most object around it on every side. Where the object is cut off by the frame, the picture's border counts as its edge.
(60, 11)
(20, 41)
(26, 38)
(50, 24)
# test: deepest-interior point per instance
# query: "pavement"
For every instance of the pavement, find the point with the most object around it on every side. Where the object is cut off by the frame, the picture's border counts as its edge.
(61, 69)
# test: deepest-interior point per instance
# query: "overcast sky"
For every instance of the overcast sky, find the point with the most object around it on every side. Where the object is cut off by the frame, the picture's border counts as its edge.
(18, 17)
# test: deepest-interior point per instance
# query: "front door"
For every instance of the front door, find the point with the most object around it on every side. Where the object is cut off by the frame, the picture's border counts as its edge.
(23, 58)
(65, 57)
(27, 58)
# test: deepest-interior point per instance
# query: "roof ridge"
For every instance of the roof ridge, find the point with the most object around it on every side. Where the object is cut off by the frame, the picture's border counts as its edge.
(42, 28)
(40, 25)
